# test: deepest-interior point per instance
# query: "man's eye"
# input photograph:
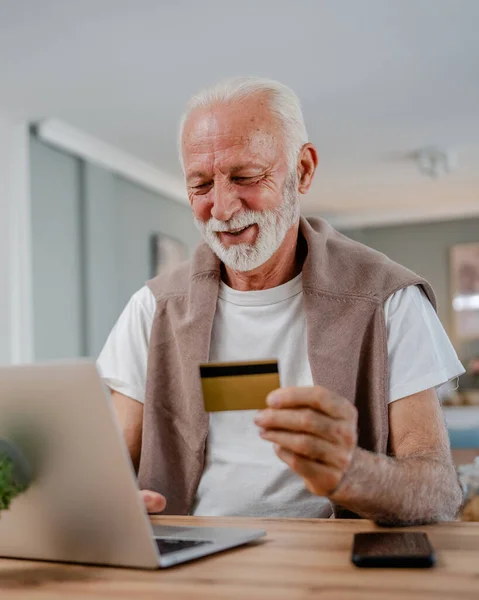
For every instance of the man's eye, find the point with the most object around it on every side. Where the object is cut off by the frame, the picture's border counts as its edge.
(202, 186)
(246, 179)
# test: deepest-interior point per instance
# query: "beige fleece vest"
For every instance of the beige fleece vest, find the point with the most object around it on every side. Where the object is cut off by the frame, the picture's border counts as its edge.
(345, 285)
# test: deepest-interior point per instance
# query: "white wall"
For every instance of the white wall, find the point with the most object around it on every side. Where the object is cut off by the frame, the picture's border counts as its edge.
(15, 273)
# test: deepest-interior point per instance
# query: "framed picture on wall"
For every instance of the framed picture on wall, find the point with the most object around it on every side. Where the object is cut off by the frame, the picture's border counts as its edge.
(465, 291)
(166, 253)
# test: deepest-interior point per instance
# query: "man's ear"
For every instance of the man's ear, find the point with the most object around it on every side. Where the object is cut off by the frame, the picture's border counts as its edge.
(307, 163)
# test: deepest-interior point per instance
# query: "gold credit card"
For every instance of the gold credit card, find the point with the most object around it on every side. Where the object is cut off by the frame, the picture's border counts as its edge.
(238, 385)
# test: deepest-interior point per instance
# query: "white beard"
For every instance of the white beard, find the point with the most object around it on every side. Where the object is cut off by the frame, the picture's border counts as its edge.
(272, 227)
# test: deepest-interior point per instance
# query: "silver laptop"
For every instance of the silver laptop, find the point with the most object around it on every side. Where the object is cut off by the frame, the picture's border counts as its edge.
(83, 505)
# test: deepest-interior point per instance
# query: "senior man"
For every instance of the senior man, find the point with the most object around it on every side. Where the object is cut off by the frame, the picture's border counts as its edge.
(357, 425)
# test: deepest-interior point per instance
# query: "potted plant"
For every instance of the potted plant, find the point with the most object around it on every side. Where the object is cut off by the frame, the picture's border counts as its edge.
(15, 473)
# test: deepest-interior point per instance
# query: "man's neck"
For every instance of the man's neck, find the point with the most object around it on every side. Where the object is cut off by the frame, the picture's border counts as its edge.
(283, 266)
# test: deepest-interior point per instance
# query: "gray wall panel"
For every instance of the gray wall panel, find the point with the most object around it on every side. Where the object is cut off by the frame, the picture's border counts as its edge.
(56, 253)
(101, 248)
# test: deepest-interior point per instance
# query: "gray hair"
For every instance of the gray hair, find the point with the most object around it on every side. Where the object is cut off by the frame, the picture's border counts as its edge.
(283, 102)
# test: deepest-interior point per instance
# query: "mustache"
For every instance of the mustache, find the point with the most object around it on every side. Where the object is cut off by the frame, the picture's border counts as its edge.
(236, 222)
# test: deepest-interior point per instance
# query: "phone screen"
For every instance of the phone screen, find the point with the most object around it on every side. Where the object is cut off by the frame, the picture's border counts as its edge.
(392, 549)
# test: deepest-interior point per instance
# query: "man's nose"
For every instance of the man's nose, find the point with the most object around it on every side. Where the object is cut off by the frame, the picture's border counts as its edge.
(225, 201)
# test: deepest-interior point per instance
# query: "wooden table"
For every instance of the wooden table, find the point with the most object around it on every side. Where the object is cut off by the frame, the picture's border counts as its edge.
(298, 559)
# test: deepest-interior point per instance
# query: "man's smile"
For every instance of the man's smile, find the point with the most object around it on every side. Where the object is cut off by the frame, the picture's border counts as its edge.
(243, 235)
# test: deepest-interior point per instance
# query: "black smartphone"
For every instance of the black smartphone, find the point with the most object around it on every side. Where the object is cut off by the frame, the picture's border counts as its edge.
(405, 549)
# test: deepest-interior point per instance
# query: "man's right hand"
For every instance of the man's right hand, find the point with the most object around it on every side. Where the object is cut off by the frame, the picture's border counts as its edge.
(129, 413)
(154, 502)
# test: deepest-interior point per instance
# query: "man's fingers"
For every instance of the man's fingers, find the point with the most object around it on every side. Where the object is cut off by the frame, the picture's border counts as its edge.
(306, 420)
(308, 469)
(319, 479)
(314, 431)
(154, 502)
(315, 397)
(309, 446)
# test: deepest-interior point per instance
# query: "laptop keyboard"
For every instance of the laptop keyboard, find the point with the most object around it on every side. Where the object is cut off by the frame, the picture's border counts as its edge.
(169, 545)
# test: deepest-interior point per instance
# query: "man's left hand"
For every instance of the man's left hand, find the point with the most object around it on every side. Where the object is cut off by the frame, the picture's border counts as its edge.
(314, 432)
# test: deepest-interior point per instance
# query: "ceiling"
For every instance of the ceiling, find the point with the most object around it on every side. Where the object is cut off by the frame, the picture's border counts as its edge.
(378, 79)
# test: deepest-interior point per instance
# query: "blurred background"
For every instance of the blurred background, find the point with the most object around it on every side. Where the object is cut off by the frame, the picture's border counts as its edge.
(92, 201)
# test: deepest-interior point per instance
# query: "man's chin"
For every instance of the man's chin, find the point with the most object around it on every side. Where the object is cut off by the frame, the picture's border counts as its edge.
(236, 257)
(243, 264)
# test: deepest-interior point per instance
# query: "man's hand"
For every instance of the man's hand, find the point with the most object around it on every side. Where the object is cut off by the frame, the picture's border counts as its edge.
(154, 502)
(129, 413)
(314, 432)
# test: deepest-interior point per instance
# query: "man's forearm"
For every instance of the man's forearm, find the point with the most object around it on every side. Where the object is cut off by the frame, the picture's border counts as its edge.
(400, 491)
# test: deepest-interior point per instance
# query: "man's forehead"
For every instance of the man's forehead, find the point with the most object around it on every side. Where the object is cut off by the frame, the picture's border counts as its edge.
(247, 143)
(213, 135)
(237, 123)
(228, 156)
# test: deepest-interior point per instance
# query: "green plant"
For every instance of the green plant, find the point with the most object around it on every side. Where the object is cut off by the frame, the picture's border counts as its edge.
(9, 486)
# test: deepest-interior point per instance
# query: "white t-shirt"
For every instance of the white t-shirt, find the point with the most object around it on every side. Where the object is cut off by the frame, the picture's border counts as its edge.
(242, 474)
